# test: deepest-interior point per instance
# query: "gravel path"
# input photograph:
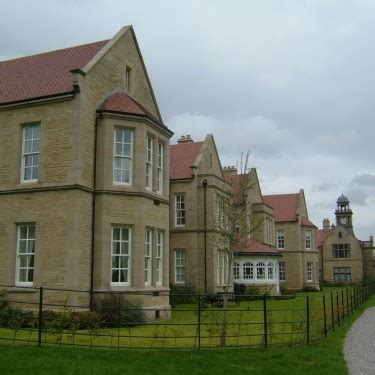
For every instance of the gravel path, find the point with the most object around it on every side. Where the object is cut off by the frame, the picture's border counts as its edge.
(359, 348)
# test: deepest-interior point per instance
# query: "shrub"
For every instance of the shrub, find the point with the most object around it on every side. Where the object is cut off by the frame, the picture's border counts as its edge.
(115, 310)
(15, 317)
(181, 294)
(239, 289)
(310, 289)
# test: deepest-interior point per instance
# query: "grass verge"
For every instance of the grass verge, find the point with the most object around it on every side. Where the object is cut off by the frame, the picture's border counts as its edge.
(324, 356)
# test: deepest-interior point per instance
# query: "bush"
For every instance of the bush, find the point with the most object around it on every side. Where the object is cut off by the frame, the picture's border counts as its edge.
(15, 317)
(239, 289)
(115, 310)
(181, 294)
(310, 289)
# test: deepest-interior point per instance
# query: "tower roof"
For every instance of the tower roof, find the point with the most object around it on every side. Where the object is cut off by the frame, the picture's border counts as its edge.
(342, 199)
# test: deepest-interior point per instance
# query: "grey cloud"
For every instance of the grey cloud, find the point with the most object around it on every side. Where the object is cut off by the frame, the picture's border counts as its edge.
(365, 179)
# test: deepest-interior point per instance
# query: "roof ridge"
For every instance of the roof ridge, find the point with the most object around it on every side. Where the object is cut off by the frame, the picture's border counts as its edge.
(53, 51)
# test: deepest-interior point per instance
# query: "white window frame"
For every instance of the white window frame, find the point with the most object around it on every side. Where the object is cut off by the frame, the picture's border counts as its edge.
(308, 239)
(159, 257)
(122, 156)
(160, 170)
(309, 272)
(236, 271)
(33, 153)
(282, 273)
(250, 267)
(121, 255)
(261, 266)
(148, 256)
(149, 161)
(270, 271)
(29, 241)
(280, 239)
(180, 266)
(178, 209)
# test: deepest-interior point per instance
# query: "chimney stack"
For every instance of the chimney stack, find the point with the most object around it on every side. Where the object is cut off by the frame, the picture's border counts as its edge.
(229, 170)
(326, 224)
(185, 139)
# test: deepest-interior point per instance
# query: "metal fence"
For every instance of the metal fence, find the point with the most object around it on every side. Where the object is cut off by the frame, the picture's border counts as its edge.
(121, 320)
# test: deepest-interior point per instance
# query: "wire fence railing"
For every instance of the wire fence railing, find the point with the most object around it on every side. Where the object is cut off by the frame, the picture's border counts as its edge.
(121, 320)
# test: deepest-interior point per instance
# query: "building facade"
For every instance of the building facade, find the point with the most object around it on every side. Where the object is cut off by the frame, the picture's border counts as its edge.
(344, 259)
(84, 166)
(296, 240)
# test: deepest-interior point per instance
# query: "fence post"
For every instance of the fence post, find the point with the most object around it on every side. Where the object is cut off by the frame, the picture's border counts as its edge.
(338, 309)
(351, 299)
(199, 322)
(332, 313)
(307, 320)
(347, 303)
(342, 304)
(40, 320)
(265, 321)
(118, 321)
(325, 315)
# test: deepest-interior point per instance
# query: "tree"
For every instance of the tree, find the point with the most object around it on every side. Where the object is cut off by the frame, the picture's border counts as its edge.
(233, 228)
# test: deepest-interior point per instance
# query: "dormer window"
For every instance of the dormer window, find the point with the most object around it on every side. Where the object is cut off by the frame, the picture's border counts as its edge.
(128, 74)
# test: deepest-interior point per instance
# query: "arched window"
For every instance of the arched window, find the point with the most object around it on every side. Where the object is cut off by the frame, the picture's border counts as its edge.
(261, 271)
(236, 271)
(271, 272)
(248, 271)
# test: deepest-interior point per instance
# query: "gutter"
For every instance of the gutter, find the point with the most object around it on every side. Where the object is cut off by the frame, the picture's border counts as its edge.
(204, 184)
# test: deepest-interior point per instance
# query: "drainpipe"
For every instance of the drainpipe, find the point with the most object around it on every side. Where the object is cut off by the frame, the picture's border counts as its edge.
(98, 116)
(204, 184)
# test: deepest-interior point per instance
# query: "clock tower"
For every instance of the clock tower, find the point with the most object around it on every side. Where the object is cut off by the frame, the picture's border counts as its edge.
(343, 212)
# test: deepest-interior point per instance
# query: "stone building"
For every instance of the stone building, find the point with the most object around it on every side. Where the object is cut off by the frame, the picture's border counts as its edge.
(296, 240)
(343, 257)
(196, 187)
(84, 167)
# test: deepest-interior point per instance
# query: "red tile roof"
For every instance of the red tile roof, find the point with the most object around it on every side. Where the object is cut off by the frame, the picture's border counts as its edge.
(44, 74)
(285, 206)
(183, 156)
(321, 235)
(307, 223)
(250, 246)
(121, 102)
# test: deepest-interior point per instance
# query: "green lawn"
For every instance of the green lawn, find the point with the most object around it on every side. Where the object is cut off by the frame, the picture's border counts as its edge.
(286, 325)
(321, 357)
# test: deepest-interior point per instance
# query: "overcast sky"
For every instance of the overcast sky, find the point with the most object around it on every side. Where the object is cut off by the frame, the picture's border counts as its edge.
(291, 81)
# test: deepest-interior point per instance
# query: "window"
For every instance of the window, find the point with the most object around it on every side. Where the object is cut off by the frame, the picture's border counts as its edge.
(269, 230)
(148, 257)
(309, 271)
(149, 148)
(342, 274)
(308, 240)
(30, 153)
(180, 211)
(25, 254)
(222, 268)
(270, 271)
(341, 250)
(280, 239)
(122, 156)
(261, 271)
(282, 271)
(236, 271)
(248, 271)
(160, 172)
(121, 253)
(159, 258)
(128, 74)
(180, 266)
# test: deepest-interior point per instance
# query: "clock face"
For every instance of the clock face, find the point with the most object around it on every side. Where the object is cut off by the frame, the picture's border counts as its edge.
(343, 220)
